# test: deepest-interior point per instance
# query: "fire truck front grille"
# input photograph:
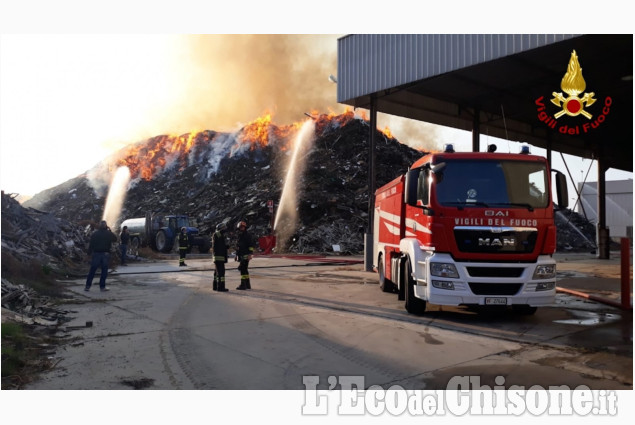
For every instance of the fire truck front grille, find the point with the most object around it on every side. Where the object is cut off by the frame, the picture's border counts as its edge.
(488, 240)
(495, 271)
(495, 288)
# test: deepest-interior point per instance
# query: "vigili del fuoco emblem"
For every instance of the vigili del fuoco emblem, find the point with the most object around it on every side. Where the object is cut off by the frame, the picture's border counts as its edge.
(573, 84)
(573, 104)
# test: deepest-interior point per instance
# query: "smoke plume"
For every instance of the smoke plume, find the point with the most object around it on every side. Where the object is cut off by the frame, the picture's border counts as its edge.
(225, 81)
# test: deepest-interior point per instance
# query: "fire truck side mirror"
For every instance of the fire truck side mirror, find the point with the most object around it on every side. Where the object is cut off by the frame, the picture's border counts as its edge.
(423, 194)
(411, 188)
(562, 193)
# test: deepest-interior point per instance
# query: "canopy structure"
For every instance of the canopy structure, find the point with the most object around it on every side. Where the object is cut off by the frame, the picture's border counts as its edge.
(566, 93)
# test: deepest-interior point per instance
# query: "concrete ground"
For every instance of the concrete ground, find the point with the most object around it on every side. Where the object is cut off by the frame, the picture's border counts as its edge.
(580, 336)
(161, 327)
(587, 275)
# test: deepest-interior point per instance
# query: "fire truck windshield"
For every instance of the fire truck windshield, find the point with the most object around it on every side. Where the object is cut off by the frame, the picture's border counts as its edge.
(492, 183)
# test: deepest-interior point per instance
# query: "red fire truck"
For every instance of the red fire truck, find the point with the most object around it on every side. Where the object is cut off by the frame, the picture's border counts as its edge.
(471, 228)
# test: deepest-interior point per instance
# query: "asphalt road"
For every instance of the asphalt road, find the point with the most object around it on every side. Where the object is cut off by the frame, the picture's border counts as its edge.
(162, 327)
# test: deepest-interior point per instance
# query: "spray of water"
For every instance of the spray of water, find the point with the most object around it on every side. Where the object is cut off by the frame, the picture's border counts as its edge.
(116, 196)
(286, 219)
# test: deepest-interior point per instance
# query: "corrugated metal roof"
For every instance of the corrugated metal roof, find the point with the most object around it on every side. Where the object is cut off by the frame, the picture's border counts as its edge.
(368, 63)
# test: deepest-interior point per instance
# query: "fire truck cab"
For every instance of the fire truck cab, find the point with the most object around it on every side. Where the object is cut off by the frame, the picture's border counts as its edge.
(472, 228)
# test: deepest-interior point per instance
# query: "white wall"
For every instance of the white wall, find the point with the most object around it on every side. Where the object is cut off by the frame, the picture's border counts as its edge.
(619, 205)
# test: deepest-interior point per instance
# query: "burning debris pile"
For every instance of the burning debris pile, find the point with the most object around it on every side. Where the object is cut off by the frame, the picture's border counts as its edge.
(32, 235)
(226, 177)
(220, 177)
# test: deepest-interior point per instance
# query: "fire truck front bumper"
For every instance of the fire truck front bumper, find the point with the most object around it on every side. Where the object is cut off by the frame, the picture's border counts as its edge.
(447, 282)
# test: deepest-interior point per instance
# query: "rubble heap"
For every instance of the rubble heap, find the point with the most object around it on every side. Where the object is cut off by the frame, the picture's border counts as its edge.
(36, 247)
(30, 234)
(25, 305)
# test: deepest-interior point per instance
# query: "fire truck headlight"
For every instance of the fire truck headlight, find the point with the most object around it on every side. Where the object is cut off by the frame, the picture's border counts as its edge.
(444, 270)
(545, 286)
(545, 271)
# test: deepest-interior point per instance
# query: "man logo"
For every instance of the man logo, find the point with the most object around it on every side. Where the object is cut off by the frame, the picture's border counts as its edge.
(497, 242)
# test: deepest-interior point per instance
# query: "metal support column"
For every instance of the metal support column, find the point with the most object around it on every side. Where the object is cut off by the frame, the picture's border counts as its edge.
(368, 237)
(603, 238)
(476, 131)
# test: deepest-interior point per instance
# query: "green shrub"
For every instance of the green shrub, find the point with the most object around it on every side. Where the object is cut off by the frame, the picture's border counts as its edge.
(13, 349)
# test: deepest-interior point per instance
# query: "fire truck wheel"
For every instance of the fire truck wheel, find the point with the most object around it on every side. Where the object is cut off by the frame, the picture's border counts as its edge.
(413, 304)
(525, 310)
(385, 285)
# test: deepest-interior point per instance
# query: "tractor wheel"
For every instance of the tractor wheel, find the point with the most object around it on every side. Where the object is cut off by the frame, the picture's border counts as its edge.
(163, 245)
(133, 247)
(204, 246)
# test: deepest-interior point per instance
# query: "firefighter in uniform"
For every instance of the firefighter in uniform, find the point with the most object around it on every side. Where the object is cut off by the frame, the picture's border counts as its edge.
(183, 246)
(219, 252)
(244, 253)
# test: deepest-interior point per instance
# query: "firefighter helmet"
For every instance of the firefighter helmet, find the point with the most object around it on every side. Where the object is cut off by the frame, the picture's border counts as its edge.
(241, 224)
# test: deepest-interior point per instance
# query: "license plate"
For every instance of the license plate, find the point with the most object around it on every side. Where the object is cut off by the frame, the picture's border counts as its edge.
(496, 301)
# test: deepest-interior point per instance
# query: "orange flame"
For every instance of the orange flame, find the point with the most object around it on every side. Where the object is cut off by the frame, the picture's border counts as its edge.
(262, 132)
(146, 159)
(257, 131)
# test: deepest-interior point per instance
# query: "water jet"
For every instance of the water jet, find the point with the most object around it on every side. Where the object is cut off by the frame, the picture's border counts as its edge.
(116, 196)
(286, 220)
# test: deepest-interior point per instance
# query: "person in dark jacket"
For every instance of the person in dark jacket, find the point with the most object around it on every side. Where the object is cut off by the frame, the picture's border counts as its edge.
(124, 238)
(183, 246)
(244, 253)
(99, 247)
(219, 252)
